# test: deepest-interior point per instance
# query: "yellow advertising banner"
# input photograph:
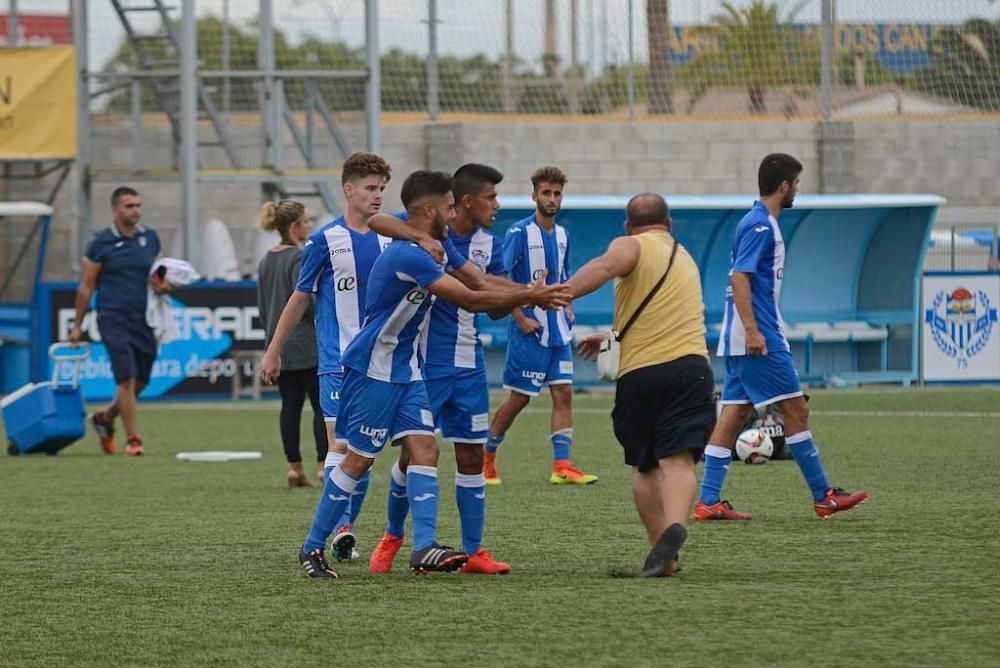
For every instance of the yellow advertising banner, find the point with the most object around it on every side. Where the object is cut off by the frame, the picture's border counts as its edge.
(37, 103)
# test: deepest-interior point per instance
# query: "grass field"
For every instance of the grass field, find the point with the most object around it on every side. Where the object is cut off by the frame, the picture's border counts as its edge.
(151, 561)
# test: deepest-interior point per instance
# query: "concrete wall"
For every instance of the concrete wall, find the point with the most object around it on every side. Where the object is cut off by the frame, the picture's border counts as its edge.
(954, 158)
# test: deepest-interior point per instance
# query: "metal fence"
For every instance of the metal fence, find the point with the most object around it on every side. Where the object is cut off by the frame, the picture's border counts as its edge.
(971, 247)
(592, 57)
(283, 88)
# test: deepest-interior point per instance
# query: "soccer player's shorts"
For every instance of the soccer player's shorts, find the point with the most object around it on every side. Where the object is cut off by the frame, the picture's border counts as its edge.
(329, 394)
(461, 406)
(663, 410)
(760, 380)
(131, 346)
(530, 365)
(373, 412)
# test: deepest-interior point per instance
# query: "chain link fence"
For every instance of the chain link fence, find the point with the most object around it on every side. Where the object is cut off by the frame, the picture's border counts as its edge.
(593, 57)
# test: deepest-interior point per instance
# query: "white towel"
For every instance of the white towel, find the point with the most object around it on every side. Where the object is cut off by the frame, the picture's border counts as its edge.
(159, 314)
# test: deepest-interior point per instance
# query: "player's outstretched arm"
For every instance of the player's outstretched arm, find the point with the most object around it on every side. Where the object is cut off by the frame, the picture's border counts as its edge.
(474, 279)
(619, 260)
(470, 276)
(295, 308)
(535, 294)
(394, 228)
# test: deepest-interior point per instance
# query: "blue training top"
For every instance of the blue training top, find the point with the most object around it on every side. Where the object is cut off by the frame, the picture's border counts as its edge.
(758, 250)
(336, 262)
(527, 250)
(125, 265)
(386, 347)
(451, 341)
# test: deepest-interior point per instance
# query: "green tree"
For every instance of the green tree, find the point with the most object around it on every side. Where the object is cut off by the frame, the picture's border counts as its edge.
(758, 49)
(966, 65)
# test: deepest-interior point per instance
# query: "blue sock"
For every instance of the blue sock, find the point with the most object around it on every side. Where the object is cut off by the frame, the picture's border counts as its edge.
(333, 459)
(717, 462)
(399, 504)
(470, 495)
(807, 457)
(422, 490)
(358, 498)
(493, 443)
(562, 440)
(337, 492)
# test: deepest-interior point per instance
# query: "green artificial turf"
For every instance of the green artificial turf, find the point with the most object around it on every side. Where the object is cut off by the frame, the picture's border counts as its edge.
(151, 561)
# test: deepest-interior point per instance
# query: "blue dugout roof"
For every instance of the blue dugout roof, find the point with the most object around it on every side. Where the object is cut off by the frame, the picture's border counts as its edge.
(848, 257)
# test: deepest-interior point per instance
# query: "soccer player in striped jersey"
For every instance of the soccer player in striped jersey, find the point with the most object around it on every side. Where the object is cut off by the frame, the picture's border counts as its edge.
(385, 399)
(539, 344)
(759, 367)
(336, 262)
(455, 374)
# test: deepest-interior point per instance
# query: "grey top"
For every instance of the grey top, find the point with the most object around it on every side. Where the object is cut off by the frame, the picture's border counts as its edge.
(277, 275)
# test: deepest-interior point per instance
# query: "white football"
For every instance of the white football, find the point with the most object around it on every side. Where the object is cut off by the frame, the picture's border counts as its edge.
(754, 446)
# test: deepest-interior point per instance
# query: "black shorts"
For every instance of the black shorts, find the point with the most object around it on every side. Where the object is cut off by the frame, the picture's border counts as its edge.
(131, 346)
(664, 410)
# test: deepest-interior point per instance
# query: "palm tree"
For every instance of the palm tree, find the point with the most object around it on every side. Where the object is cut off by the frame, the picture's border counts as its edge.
(966, 65)
(758, 49)
(661, 73)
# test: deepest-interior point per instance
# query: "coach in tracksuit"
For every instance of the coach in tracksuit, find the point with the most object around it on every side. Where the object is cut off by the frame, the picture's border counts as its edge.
(117, 262)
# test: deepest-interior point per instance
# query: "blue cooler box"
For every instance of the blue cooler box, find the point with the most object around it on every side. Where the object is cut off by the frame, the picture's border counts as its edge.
(47, 416)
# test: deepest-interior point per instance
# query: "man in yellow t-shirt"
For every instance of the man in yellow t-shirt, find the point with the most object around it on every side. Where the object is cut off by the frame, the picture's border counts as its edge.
(664, 411)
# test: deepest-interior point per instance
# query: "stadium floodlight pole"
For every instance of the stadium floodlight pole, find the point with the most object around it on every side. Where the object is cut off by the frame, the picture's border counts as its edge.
(12, 27)
(189, 126)
(574, 57)
(508, 58)
(81, 166)
(265, 61)
(604, 36)
(591, 59)
(826, 61)
(433, 75)
(373, 91)
(226, 85)
(631, 61)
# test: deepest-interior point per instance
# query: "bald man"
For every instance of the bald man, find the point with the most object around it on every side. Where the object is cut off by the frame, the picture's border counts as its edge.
(664, 410)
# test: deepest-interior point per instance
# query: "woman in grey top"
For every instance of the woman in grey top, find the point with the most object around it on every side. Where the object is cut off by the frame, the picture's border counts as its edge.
(276, 278)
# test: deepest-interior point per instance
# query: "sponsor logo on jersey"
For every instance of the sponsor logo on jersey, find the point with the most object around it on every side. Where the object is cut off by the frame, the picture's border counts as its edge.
(536, 377)
(377, 436)
(416, 296)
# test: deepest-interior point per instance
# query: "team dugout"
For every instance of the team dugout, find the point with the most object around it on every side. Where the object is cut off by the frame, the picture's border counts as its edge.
(852, 275)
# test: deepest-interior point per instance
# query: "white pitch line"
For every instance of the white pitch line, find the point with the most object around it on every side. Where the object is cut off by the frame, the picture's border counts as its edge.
(930, 414)
(819, 413)
(274, 407)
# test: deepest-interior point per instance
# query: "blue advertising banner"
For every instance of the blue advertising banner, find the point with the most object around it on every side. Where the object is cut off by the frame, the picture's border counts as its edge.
(899, 47)
(214, 321)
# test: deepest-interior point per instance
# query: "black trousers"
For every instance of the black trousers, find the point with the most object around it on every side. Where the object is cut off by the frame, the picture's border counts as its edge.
(294, 387)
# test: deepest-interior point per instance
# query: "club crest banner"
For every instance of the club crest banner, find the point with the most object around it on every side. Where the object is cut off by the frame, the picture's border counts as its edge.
(960, 332)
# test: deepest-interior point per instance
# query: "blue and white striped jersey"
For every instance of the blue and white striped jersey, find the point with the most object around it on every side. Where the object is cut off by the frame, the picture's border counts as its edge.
(451, 341)
(527, 250)
(336, 262)
(758, 250)
(396, 312)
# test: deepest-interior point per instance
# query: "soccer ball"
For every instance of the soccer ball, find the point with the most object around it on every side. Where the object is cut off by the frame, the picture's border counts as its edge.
(754, 446)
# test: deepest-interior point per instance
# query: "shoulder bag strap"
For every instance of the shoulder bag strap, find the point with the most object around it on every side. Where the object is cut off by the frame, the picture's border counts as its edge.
(651, 294)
